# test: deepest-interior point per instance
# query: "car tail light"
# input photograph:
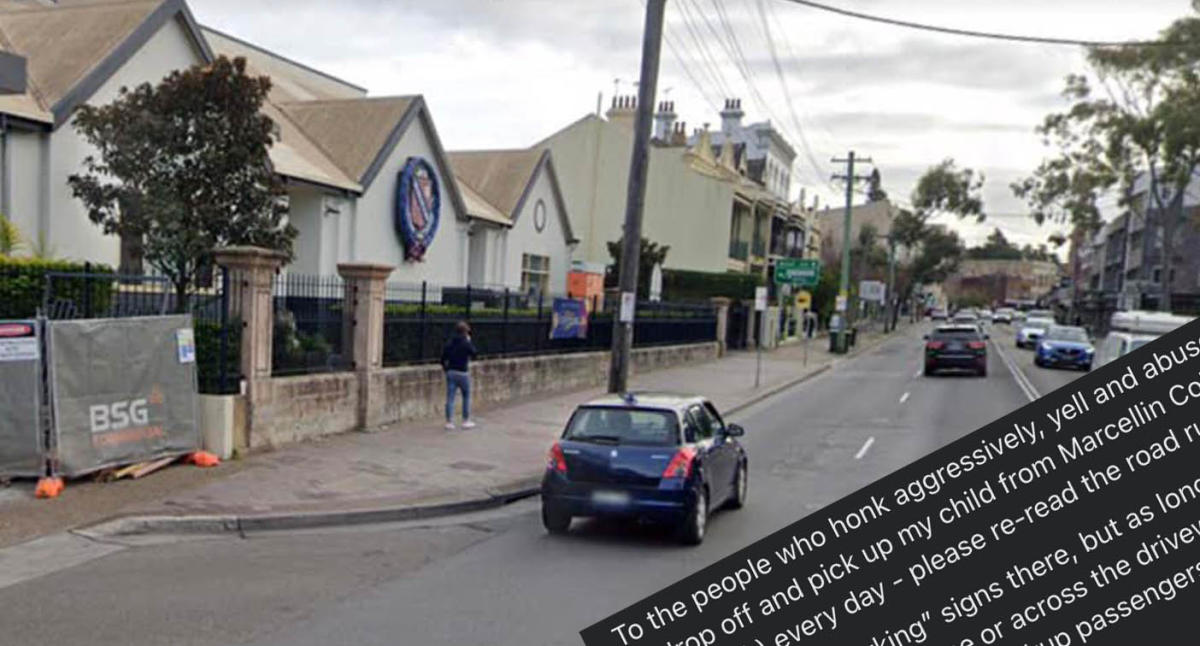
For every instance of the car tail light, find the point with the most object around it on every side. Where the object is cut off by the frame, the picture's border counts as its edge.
(977, 345)
(934, 345)
(680, 466)
(555, 460)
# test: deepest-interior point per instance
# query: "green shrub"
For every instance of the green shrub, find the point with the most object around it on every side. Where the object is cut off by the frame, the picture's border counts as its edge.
(682, 285)
(23, 285)
(208, 355)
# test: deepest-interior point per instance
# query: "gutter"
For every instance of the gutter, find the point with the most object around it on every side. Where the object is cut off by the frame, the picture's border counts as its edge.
(5, 169)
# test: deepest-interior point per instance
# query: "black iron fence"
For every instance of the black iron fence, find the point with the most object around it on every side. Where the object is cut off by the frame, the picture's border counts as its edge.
(420, 318)
(308, 328)
(26, 292)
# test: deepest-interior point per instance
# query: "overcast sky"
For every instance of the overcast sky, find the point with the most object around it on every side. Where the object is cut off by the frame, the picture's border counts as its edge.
(505, 73)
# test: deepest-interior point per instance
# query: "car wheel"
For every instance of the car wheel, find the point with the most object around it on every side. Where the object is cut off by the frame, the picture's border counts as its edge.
(1087, 367)
(929, 370)
(693, 528)
(983, 371)
(740, 483)
(555, 520)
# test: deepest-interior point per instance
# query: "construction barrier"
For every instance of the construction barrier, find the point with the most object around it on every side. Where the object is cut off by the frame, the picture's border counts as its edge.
(122, 391)
(22, 436)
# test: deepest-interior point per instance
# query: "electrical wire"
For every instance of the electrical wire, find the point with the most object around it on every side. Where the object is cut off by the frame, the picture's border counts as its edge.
(981, 34)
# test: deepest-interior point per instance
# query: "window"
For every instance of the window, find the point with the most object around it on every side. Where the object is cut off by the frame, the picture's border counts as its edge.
(623, 426)
(535, 274)
(704, 423)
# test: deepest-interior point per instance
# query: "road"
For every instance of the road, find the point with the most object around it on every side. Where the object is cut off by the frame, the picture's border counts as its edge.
(496, 578)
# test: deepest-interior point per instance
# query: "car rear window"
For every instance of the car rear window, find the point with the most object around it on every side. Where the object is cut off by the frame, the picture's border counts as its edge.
(955, 334)
(642, 426)
(1038, 322)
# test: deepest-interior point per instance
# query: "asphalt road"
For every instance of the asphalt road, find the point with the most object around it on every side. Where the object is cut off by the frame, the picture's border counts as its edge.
(496, 578)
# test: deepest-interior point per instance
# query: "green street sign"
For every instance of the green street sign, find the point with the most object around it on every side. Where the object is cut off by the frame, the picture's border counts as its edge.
(798, 271)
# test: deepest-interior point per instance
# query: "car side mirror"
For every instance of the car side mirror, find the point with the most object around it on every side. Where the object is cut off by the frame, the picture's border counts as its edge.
(734, 430)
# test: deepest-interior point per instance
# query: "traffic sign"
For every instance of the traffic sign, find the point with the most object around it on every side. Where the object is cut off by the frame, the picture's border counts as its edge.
(872, 290)
(802, 272)
(760, 299)
(803, 300)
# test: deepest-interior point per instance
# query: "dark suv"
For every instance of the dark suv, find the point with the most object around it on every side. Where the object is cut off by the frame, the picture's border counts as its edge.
(960, 347)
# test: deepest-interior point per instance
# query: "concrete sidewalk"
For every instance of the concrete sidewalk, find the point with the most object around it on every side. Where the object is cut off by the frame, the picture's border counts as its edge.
(393, 473)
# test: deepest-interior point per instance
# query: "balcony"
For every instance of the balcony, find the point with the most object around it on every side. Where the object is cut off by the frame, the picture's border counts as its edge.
(739, 249)
(759, 249)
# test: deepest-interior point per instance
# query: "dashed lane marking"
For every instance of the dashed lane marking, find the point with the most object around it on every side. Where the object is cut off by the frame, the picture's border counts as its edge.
(865, 447)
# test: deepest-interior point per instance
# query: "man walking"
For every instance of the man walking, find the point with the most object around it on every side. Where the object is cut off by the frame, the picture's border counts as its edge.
(456, 361)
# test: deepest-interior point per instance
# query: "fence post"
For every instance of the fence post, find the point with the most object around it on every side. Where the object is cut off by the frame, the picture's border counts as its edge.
(540, 335)
(87, 290)
(721, 305)
(424, 321)
(223, 334)
(504, 328)
(468, 315)
(251, 274)
(365, 287)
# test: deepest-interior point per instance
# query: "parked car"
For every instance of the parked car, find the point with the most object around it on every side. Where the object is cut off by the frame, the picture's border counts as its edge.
(1129, 331)
(958, 347)
(1032, 329)
(1040, 314)
(1064, 345)
(938, 314)
(1003, 315)
(654, 456)
(986, 315)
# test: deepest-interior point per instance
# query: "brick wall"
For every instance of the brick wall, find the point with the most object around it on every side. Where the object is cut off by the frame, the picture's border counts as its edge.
(419, 392)
(293, 409)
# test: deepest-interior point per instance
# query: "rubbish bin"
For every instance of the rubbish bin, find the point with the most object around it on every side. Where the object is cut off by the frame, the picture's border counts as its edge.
(853, 336)
(838, 340)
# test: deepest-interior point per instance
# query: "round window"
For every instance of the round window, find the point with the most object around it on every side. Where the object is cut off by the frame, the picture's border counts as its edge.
(539, 216)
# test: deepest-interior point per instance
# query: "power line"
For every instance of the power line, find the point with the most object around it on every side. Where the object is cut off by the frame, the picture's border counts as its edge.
(787, 97)
(982, 34)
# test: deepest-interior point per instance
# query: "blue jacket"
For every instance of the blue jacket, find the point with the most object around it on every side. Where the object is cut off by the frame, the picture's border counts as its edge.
(457, 353)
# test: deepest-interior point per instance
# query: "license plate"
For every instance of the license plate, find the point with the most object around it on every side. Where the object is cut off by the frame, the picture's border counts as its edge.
(610, 498)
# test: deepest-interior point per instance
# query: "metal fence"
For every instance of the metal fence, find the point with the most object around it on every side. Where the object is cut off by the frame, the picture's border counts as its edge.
(420, 318)
(308, 328)
(27, 291)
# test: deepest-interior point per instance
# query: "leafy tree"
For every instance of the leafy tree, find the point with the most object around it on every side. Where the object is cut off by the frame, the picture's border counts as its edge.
(944, 189)
(183, 167)
(650, 254)
(875, 192)
(1132, 125)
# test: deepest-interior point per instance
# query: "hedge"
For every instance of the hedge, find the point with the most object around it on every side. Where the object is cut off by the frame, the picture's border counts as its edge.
(23, 285)
(208, 355)
(682, 285)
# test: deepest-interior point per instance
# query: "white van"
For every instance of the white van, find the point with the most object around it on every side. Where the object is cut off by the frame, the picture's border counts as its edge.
(1131, 330)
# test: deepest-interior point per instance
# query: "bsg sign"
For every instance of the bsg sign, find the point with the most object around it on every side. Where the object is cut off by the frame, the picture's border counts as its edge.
(118, 415)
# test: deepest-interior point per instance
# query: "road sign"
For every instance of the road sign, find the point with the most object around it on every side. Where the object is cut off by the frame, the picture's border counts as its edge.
(803, 300)
(841, 303)
(760, 299)
(798, 271)
(872, 290)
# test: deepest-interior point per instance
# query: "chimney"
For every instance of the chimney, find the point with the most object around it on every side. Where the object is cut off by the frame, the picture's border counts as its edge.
(623, 110)
(679, 136)
(664, 121)
(731, 116)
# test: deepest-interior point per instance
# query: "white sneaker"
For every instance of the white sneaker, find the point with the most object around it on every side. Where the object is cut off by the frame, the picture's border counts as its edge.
(449, 426)
(468, 424)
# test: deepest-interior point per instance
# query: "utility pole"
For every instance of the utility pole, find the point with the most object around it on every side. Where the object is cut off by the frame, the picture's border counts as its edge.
(889, 323)
(844, 289)
(622, 338)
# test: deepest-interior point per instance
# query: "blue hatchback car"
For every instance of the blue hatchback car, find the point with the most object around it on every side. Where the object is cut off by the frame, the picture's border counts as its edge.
(655, 456)
(1065, 346)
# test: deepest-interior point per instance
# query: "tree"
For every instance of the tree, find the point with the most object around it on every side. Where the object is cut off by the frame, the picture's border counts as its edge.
(649, 255)
(10, 237)
(1132, 125)
(875, 192)
(944, 189)
(182, 166)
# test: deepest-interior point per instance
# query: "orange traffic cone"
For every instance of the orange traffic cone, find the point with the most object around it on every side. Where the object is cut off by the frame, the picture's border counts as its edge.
(49, 487)
(203, 459)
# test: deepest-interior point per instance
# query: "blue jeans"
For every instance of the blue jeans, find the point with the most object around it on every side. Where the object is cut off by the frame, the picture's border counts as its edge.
(456, 380)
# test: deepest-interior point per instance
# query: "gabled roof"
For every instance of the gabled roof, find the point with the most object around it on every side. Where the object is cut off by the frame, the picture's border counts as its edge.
(290, 80)
(351, 131)
(504, 178)
(74, 46)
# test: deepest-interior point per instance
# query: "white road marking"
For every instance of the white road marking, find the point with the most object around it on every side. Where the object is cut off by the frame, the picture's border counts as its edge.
(918, 373)
(1023, 381)
(865, 447)
(904, 397)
